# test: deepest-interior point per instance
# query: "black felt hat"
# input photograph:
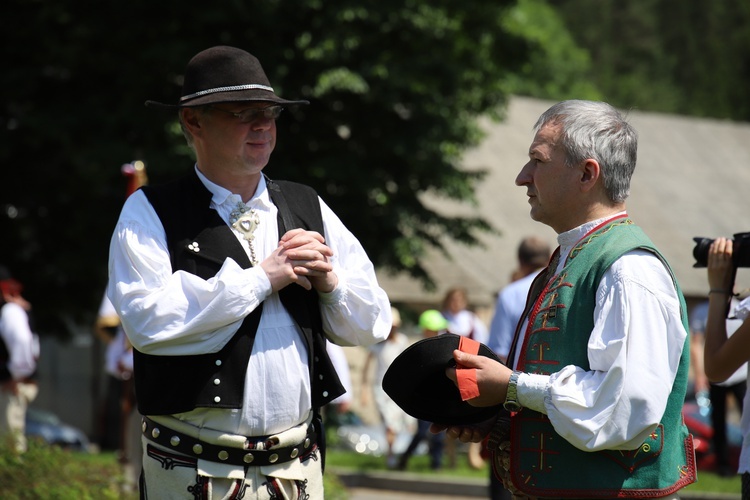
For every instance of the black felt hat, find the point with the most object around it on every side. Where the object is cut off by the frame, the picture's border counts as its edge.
(416, 382)
(224, 74)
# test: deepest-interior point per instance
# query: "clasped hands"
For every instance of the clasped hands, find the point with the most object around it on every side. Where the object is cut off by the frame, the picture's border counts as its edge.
(492, 379)
(301, 257)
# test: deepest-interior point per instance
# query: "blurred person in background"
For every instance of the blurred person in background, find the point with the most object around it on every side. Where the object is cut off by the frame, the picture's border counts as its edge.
(462, 320)
(432, 323)
(393, 418)
(712, 397)
(119, 422)
(19, 353)
(533, 255)
(336, 409)
(723, 354)
(122, 419)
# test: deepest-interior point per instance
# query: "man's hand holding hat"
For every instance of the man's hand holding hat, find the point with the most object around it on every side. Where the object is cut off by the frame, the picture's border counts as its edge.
(492, 380)
(417, 381)
(492, 377)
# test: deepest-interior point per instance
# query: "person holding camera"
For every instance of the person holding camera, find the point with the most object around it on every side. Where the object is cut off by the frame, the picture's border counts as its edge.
(713, 397)
(722, 354)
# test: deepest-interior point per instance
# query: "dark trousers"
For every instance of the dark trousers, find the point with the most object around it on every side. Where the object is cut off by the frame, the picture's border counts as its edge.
(718, 395)
(497, 490)
(436, 444)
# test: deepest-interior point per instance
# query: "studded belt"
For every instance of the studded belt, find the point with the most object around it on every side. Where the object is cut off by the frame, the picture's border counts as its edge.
(188, 445)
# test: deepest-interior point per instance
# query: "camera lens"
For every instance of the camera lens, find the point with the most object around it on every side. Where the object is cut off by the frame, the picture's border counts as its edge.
(700, 252)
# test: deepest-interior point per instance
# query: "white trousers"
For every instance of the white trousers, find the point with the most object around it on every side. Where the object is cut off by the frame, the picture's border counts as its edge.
(168, 475)
(13, 405)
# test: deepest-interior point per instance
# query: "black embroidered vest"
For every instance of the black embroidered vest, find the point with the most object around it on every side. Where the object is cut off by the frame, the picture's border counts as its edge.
(173, 384)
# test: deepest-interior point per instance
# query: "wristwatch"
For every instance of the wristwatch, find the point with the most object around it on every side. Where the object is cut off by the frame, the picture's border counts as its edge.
(511, 397)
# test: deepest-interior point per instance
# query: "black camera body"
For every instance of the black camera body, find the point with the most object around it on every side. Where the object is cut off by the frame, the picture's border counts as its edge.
(740, 250)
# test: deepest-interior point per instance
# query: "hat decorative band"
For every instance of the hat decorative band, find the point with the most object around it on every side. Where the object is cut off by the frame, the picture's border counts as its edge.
(226, 89)
(467, 377)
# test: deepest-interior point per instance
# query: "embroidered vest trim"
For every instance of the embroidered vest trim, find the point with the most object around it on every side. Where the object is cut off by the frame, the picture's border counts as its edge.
(543, 463)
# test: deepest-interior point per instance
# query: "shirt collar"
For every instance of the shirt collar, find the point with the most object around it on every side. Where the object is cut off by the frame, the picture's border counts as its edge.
(569, 238)
(221, 195)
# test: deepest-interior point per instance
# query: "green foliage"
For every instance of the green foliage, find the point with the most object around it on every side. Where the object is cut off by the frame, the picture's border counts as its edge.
(50, 472)
(555, 64)
(675, 56)
(394, 86)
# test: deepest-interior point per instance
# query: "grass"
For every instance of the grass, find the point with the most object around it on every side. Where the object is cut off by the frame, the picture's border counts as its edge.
(45, 471)
(708, 482)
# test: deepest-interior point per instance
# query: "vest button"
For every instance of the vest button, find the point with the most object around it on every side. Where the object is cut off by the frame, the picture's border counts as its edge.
(325, 394)
(217, 381)
(218, 362)
(217, 399)
(320, 376)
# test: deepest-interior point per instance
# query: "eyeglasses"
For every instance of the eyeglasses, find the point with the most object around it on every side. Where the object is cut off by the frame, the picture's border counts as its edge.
(252, 114)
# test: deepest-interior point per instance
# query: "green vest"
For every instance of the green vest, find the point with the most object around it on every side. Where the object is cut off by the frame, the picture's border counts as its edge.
(544, 464)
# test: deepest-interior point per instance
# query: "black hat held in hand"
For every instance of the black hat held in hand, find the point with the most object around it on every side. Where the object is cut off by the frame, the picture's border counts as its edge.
(417, 383)
(224, 74)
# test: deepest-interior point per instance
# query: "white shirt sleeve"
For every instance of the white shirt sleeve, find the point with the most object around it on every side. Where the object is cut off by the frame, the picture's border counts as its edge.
(358, 311)
(174, 313)
(177, 313)
(634, 352)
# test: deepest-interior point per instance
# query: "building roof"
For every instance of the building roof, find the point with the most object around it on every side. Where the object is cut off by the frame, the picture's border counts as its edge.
(691, 179)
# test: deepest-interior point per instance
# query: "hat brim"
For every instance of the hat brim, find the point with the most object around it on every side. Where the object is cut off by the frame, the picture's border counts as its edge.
(226, 97)
(417, 383)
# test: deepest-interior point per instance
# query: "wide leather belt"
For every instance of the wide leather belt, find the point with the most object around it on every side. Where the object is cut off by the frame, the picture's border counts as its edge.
(188, 445)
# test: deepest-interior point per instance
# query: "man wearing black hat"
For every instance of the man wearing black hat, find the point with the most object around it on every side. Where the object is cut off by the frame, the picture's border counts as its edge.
(19, 350)
(228, 285)
(600, 358)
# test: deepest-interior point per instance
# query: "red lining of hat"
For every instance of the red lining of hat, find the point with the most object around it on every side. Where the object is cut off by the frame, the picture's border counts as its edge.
(467, 377)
